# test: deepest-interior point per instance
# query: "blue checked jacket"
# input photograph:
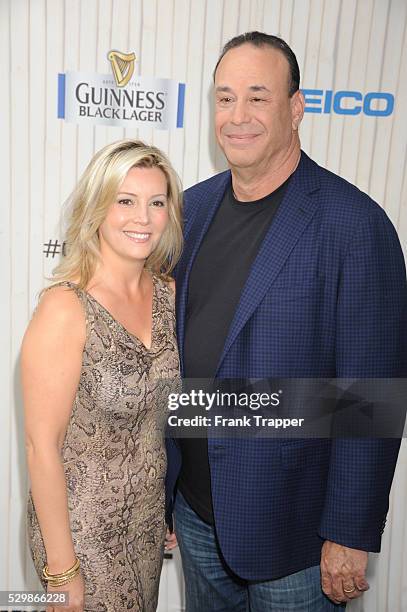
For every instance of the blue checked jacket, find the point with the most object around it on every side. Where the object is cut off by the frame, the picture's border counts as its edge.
(325, 297)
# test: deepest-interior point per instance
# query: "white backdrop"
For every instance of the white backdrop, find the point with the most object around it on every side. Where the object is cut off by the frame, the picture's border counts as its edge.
(351, 45)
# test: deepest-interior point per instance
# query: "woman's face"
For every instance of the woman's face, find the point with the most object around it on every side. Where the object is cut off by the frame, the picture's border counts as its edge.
(137, 218)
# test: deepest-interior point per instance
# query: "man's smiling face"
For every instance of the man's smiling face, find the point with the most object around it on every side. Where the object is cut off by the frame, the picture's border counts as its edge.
(255, 117)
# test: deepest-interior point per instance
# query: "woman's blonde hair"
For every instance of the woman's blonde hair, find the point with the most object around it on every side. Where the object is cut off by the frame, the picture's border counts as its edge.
(95, 192)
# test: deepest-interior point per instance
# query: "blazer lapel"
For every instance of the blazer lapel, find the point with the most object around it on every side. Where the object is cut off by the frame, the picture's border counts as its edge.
(294, 214)
(207, 206)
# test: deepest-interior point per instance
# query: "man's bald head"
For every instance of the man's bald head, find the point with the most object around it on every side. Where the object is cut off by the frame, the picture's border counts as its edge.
(260, 39)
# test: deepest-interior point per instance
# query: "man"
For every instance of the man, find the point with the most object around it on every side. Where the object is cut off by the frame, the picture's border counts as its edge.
(288, 271)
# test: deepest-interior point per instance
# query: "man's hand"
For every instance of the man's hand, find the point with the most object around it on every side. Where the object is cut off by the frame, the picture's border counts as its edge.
(170, 540)
(343, 572)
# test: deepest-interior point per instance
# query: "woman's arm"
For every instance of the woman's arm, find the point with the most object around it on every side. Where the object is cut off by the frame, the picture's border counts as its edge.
(51, 362)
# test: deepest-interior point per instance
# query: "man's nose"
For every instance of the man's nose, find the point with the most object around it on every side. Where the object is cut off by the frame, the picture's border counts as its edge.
(240, 112)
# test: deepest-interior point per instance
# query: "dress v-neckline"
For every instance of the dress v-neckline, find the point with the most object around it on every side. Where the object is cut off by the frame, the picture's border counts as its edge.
(135, 338)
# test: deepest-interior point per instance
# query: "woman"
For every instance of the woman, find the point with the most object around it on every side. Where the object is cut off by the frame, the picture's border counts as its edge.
(98, 360)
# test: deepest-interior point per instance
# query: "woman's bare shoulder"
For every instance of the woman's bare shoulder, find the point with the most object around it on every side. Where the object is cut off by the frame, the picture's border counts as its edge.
(59, 312)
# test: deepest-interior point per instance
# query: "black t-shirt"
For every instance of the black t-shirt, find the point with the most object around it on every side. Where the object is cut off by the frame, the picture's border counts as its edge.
(217, 278)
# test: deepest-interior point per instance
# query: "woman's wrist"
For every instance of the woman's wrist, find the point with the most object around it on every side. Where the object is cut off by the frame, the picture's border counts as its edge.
(61, 564)
(61, 578)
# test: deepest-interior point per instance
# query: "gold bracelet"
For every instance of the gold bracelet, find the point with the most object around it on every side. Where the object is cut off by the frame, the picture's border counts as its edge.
(56, 580)
(72, 569)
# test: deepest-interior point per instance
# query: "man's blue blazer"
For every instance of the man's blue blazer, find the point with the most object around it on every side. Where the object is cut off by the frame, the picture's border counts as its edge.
(326, 297)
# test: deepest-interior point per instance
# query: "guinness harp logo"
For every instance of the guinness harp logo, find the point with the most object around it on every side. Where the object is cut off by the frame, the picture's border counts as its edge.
(122, 66)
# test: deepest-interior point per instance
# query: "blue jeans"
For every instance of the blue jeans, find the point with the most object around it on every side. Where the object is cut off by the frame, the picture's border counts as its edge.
(211, 587)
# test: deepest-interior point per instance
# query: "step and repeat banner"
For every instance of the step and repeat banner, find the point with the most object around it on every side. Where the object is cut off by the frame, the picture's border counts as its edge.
(78, 74)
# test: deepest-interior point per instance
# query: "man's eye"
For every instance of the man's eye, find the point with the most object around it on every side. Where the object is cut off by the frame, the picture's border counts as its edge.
(257, 99)
(125, 202)
(225, 100)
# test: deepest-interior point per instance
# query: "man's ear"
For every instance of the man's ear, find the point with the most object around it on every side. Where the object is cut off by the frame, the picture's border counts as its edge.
(297, 109)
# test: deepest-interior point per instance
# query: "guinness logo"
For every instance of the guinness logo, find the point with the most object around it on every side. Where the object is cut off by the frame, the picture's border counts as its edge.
(122, 66)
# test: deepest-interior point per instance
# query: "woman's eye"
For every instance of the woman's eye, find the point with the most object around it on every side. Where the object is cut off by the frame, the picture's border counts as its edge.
(158, 203)
(125, 202)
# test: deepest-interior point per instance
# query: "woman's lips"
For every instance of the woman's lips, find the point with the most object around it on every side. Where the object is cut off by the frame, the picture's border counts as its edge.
(138, 236)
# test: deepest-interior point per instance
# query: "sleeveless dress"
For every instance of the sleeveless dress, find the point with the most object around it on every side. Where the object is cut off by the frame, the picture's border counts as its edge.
(114, 457)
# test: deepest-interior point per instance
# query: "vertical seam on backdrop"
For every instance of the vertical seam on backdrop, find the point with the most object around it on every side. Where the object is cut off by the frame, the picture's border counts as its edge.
(140, 38)
(186, 79)
(10, 310)
(405, 147)
(141, 28)
(155, 73)
(337, 28)
(215, 156)
(201, 96)
(392, 125)
(128, 47)
(252, 14)
(392, 118)
(79, 68)
(123, 128)
(279, 19)
(262, 16)
(291, 22)
(213, 102)
(306, 46)
(59, 132)
(128, 25)
(44, 166)
(96, 66)
(29, 156)
(260, 13)
(328, 119)
(97, 39)
(111, 26)
(172, 62)
(77, 125)
(335, 61)
(317, 71)
(222, 24)
(380, 86)
(61, 125)
(362, 117)
(347, 85)
(155, 52)
(30, 202)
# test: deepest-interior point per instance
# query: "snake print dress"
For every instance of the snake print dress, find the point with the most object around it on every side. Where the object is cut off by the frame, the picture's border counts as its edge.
(114, 457)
